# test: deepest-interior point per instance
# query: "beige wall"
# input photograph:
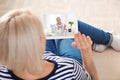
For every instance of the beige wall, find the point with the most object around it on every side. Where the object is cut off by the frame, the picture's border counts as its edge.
(101, 13)
(104, 14)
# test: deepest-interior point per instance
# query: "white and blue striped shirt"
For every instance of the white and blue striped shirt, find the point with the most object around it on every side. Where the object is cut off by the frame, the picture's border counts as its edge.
(65, 69)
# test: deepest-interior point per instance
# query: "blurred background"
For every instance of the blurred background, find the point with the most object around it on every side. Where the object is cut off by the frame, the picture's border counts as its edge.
(103, 14)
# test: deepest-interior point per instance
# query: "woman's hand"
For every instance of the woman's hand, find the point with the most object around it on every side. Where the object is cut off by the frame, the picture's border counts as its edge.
(82, 42)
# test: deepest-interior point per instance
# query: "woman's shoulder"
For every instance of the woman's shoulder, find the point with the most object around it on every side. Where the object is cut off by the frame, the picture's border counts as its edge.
(3, 69)
(68, 66)
(4, 73)
(63, 66)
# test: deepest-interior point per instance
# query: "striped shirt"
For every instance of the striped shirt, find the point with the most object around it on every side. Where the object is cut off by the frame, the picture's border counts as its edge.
(65, 69)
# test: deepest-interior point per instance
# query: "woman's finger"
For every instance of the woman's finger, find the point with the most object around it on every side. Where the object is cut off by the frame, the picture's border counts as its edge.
(74, 44)
(89, 40)
(77, 40)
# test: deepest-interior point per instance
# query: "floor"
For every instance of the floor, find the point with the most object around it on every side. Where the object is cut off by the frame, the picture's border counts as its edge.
(103, 14)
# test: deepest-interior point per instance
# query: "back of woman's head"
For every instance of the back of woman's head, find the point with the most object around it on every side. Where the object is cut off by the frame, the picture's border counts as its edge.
(20, 41)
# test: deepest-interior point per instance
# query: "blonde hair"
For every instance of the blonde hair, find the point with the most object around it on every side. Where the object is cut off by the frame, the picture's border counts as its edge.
(20, 41)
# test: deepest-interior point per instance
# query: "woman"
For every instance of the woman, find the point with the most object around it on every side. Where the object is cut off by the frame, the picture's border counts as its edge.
(22, 52)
